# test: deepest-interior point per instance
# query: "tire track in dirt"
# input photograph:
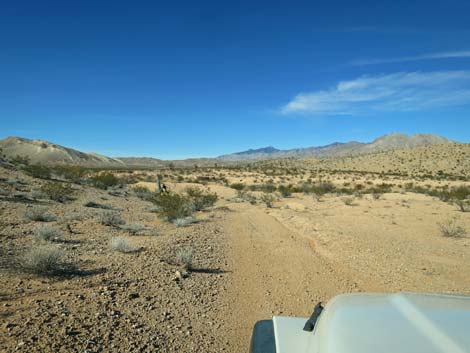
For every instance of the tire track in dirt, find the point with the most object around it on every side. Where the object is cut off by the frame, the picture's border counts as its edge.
(275, 272)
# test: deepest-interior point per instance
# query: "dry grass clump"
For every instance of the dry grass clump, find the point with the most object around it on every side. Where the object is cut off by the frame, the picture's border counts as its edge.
(184, 257)
(183, 222)
(451, 229)
(134, 228)
(109, 218)
(46, 233)
(349, 201)
(39, 214)
(46, 261)
(123, 245)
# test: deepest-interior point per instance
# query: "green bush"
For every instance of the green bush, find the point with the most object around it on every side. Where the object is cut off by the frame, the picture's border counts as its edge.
(104, 180)
(237, 186)
(57, 191)
(38, 171)
(173, 206)
(284, 190)
(73, 173)
(199, 199)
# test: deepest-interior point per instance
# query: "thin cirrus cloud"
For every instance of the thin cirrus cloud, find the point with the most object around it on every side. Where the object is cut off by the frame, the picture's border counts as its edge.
(397, 92)
(431, 56)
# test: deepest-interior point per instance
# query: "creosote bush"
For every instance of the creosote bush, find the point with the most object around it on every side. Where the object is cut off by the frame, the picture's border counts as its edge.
(39, 214)
(173, 206)
(57, 191)
(46, 261)
(38, 171)
(104, 180)
(237, 186)
(199, 199)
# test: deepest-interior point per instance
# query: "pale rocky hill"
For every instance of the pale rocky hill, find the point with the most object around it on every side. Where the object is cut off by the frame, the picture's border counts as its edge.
(43, 152)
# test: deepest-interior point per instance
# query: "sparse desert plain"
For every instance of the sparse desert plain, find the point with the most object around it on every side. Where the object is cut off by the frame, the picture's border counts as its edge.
(98, 261)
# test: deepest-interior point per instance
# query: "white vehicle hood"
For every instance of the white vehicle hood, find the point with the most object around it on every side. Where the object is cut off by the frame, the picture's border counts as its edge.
(381, 323)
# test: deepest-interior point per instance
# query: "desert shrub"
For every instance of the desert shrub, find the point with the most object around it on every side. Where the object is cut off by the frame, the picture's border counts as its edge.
(57, 191)
(376, 196)
(460, 192)
(143, 193)
(451, 229)
(110, 218)
(463, 205)
(104, 180)
(199, 199)
(183, 222)
(38, 195)
(322, 188)
(237, 186)
(38, 171)
(19, 160)
(133, 228)
(123, 245)
(348, 201)
(46, 261)
(46, 233)
(284, 190)
(269, 188)
(173, 206)
(268, 200)
(184, 257)
(70, 172)
(93, 204)
(39, 214)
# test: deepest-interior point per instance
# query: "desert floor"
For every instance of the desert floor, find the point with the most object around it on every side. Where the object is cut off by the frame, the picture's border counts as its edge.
(250, 262)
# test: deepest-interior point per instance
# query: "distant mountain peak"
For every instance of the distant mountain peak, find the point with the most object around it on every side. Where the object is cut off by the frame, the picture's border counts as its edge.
(268, 149)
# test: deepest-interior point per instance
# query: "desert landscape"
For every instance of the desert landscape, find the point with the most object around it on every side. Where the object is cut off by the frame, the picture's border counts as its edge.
(95, 259)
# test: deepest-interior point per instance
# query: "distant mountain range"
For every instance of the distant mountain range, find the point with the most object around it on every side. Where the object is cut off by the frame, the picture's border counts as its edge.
(385, 143)
(39, 151)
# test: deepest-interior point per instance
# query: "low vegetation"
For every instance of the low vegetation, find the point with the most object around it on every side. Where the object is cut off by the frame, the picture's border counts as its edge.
(104, 180)
(47, 261)
(110, 218)
(46, 233)
(451, 229)
(58, 191)
(39, 214)
(184, 257)
(123, 245)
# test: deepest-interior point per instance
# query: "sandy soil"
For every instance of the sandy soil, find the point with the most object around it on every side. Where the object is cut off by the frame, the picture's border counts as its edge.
(252, 262)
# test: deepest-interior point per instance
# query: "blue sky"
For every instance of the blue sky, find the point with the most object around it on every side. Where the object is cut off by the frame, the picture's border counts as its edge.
(203, 78)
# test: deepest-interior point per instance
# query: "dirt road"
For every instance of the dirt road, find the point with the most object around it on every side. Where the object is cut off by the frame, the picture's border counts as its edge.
(275, 272)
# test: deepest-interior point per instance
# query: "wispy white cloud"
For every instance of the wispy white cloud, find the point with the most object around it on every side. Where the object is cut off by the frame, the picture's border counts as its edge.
(397, 92)
(430, 56)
